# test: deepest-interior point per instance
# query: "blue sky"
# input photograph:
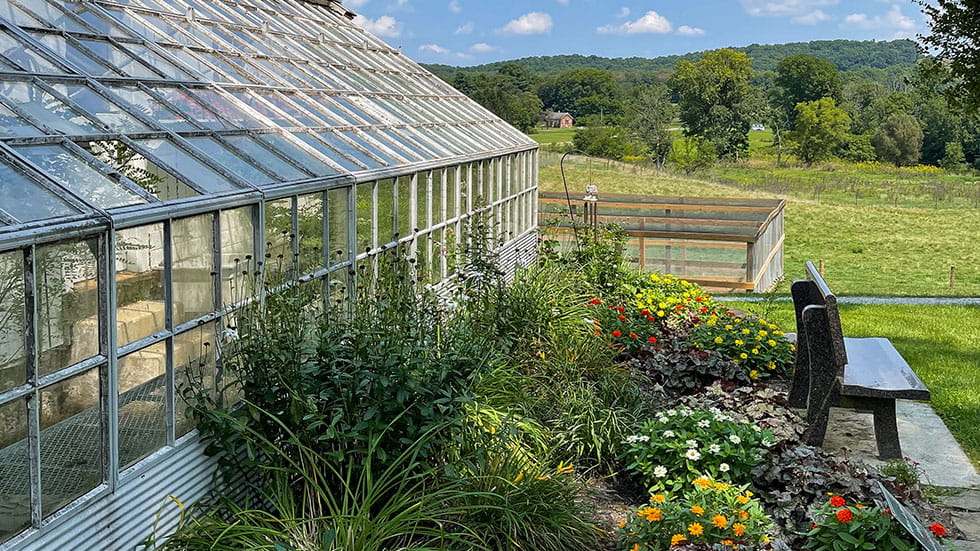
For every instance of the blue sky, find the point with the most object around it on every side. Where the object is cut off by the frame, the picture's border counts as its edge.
(470, 32)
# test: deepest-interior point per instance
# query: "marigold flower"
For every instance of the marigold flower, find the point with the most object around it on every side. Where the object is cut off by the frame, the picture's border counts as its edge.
(677, 539)
(938, 529)
(743, 515)
(845, 515)
(617, 333)
(697, 509)
(837, 501)
(658, 498)
(653, 515)
(739, 529)
(696, 529)
(742, 500)
(719, 521)
(702, 482)
(727, 542)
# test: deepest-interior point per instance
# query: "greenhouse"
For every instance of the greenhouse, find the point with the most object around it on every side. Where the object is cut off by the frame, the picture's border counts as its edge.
(159, 161)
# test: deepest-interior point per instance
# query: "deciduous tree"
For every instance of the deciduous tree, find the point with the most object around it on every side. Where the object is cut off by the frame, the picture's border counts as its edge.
(899, 141)
(648, 119)
(821, 127)
(802, 78)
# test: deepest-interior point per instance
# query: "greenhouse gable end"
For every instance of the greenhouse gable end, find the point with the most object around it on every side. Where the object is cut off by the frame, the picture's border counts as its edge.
(156, 156)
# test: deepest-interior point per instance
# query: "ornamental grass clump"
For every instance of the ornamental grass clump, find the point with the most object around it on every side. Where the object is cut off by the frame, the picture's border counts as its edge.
(756, 345)
(842, 526)
(708, 512)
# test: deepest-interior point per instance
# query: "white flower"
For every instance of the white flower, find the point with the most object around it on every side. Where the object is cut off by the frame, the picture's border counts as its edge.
(692, 454)
(704, 423)
(668, 434)
(687, 412)
(720, 417)
(756, 428)
(723, 467)
(663, 419)
(735, 439)
(768, 443)
(660, 471)
(692, 443)
(643, 438)
(714, 448)
(714, 410)
(671, 412)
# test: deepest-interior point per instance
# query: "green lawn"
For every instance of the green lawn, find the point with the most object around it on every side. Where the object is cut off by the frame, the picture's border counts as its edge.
(869, 248)
(553, 135)
(939, 342)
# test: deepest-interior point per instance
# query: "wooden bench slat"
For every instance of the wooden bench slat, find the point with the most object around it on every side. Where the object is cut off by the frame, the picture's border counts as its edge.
(882, 373)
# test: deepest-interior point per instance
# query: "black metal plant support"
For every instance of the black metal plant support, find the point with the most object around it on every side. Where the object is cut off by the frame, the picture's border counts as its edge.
(568, 197)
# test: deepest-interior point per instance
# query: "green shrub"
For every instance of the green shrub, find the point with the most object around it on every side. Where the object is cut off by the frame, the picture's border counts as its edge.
(757, 346)
(708, 512)
(682, 444)
(842, 526)
(681, 369)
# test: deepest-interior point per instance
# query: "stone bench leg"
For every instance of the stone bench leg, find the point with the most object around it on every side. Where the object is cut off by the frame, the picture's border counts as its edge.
(886, 426)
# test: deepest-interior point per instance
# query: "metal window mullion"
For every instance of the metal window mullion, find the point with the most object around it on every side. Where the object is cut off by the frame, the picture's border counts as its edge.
(32, 345)
(413, 215)
(374, 227)
(352, 245)
(110, 372)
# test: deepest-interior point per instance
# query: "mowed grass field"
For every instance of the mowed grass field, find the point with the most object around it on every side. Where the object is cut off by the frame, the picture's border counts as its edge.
(869, 248)
(939, 342)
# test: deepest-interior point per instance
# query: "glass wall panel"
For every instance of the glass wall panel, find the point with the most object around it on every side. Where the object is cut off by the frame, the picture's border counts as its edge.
(192, 242)
(14, 473)
(338, 230)
(194, 373)
(309, 217)
(387, 223)
(438, 195)
(28, 201)
(279, 237)
(452, 191)
(68, 298)
(140, 310)
(365, 217)
(238, 263)
(72, 440)
(79, 176)
(142, 403)
(13, 369)
(405, 227)
(423, 196)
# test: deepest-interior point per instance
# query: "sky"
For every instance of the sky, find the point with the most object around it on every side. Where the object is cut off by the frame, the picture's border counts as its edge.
(472, 32)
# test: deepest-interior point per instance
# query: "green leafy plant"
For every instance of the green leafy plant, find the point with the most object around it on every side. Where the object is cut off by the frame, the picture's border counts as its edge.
(624, 329)
(681, 444)
(675, 302)
(758, 346)
(682, 369)
(855, 526)
(905, 473)
(708, 512)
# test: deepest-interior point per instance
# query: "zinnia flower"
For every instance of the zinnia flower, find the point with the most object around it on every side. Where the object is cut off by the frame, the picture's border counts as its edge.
(660, 471)
(696, 529)
(617, 333)
(724, 467)
(697, 509)
(676, 539)
(652, 340)
(739, 529)
(938, 529)
(693, 454)
(845, 515)
(719, 521)
(735, 439)
(837, 501)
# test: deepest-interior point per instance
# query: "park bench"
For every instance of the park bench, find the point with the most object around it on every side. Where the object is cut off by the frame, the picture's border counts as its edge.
(863, 374)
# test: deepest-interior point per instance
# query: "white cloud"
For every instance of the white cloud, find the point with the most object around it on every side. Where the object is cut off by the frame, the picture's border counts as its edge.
(434, 48)
(652, 22)
(784, 8)
(684, 30)
(530, 23)
(466, 28)
(623, 13)
(895, 22)
(812, 18)
(355, 4)
(563, 2)
(481, 48)
(455, 7)
(385, 25)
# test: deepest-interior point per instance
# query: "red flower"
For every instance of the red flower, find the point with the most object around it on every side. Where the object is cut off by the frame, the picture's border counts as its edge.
(644, 312)
(620, 309)
(617, 334)
(652, 340)
(651, 318)
(679, 307)
(595, 301)
(814, 527)
(704, 310)
(622, 318)
(598, 334)
(938, 529)
(887, 512)
(845, 515)
(698, 299)
(837, 501)
(632, 335)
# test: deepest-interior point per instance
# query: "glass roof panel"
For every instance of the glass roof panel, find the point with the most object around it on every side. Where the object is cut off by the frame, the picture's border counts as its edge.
(20, 17)
(339, 152)
(371, 148)
(231, 160)
(88, 64)
(80, 177)
(297, 154)
(98, 24)
(192, 108)
(107, 112)
(227, 109)
(13, 125)
(137, 24)
(26, 200)
(190, 168)
(47, 109)
(25, 57)
(266, 157)
(262, 108)
(153, 109)
(54, 16)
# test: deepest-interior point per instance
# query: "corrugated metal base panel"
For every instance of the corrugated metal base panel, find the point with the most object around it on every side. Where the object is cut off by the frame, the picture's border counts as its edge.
(121, 520)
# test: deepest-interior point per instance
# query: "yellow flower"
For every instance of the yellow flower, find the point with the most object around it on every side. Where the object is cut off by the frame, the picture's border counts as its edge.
(743, 515)
(729, 327)
(743, 355)
(748, 493)
(772, 365)
(746, 331)
(697, 510)
(753, 374)
(719, 340)
(765, 538)
(739, 342)
(676, 539)
(719, 521)
(654, 277)
(763, 333)
(662, 305)
(771, 342)
(622, 524)
(658, 498)
(778, 333)
(636, 547)
(518, 478)
(660, 313)
(721, 486)
(711, 323)
(654, 515)
(696, 529)
(727, 542)
(702, 482)
(742, 499)
(755, 350)
(792, 348)
(739, 529)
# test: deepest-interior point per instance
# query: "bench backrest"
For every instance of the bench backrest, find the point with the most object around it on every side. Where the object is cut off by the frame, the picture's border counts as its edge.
(820, 354)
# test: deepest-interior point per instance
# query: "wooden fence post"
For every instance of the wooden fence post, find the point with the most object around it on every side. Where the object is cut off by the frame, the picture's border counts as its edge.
(821, 267)
(952, 276)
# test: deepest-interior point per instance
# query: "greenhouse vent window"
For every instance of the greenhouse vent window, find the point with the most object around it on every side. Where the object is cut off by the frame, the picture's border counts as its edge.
(149, 151)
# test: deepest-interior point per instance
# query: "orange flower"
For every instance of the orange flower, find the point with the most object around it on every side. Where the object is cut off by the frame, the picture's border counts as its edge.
(677, 539)
(739, 529)
(845, 515)
(697, 509)
(743, 515)
(658, 498)
(654, 515)
(719, 521)
(837, 501)
(938, 529)
(702, 482)
(742, 499)
(696, 529)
